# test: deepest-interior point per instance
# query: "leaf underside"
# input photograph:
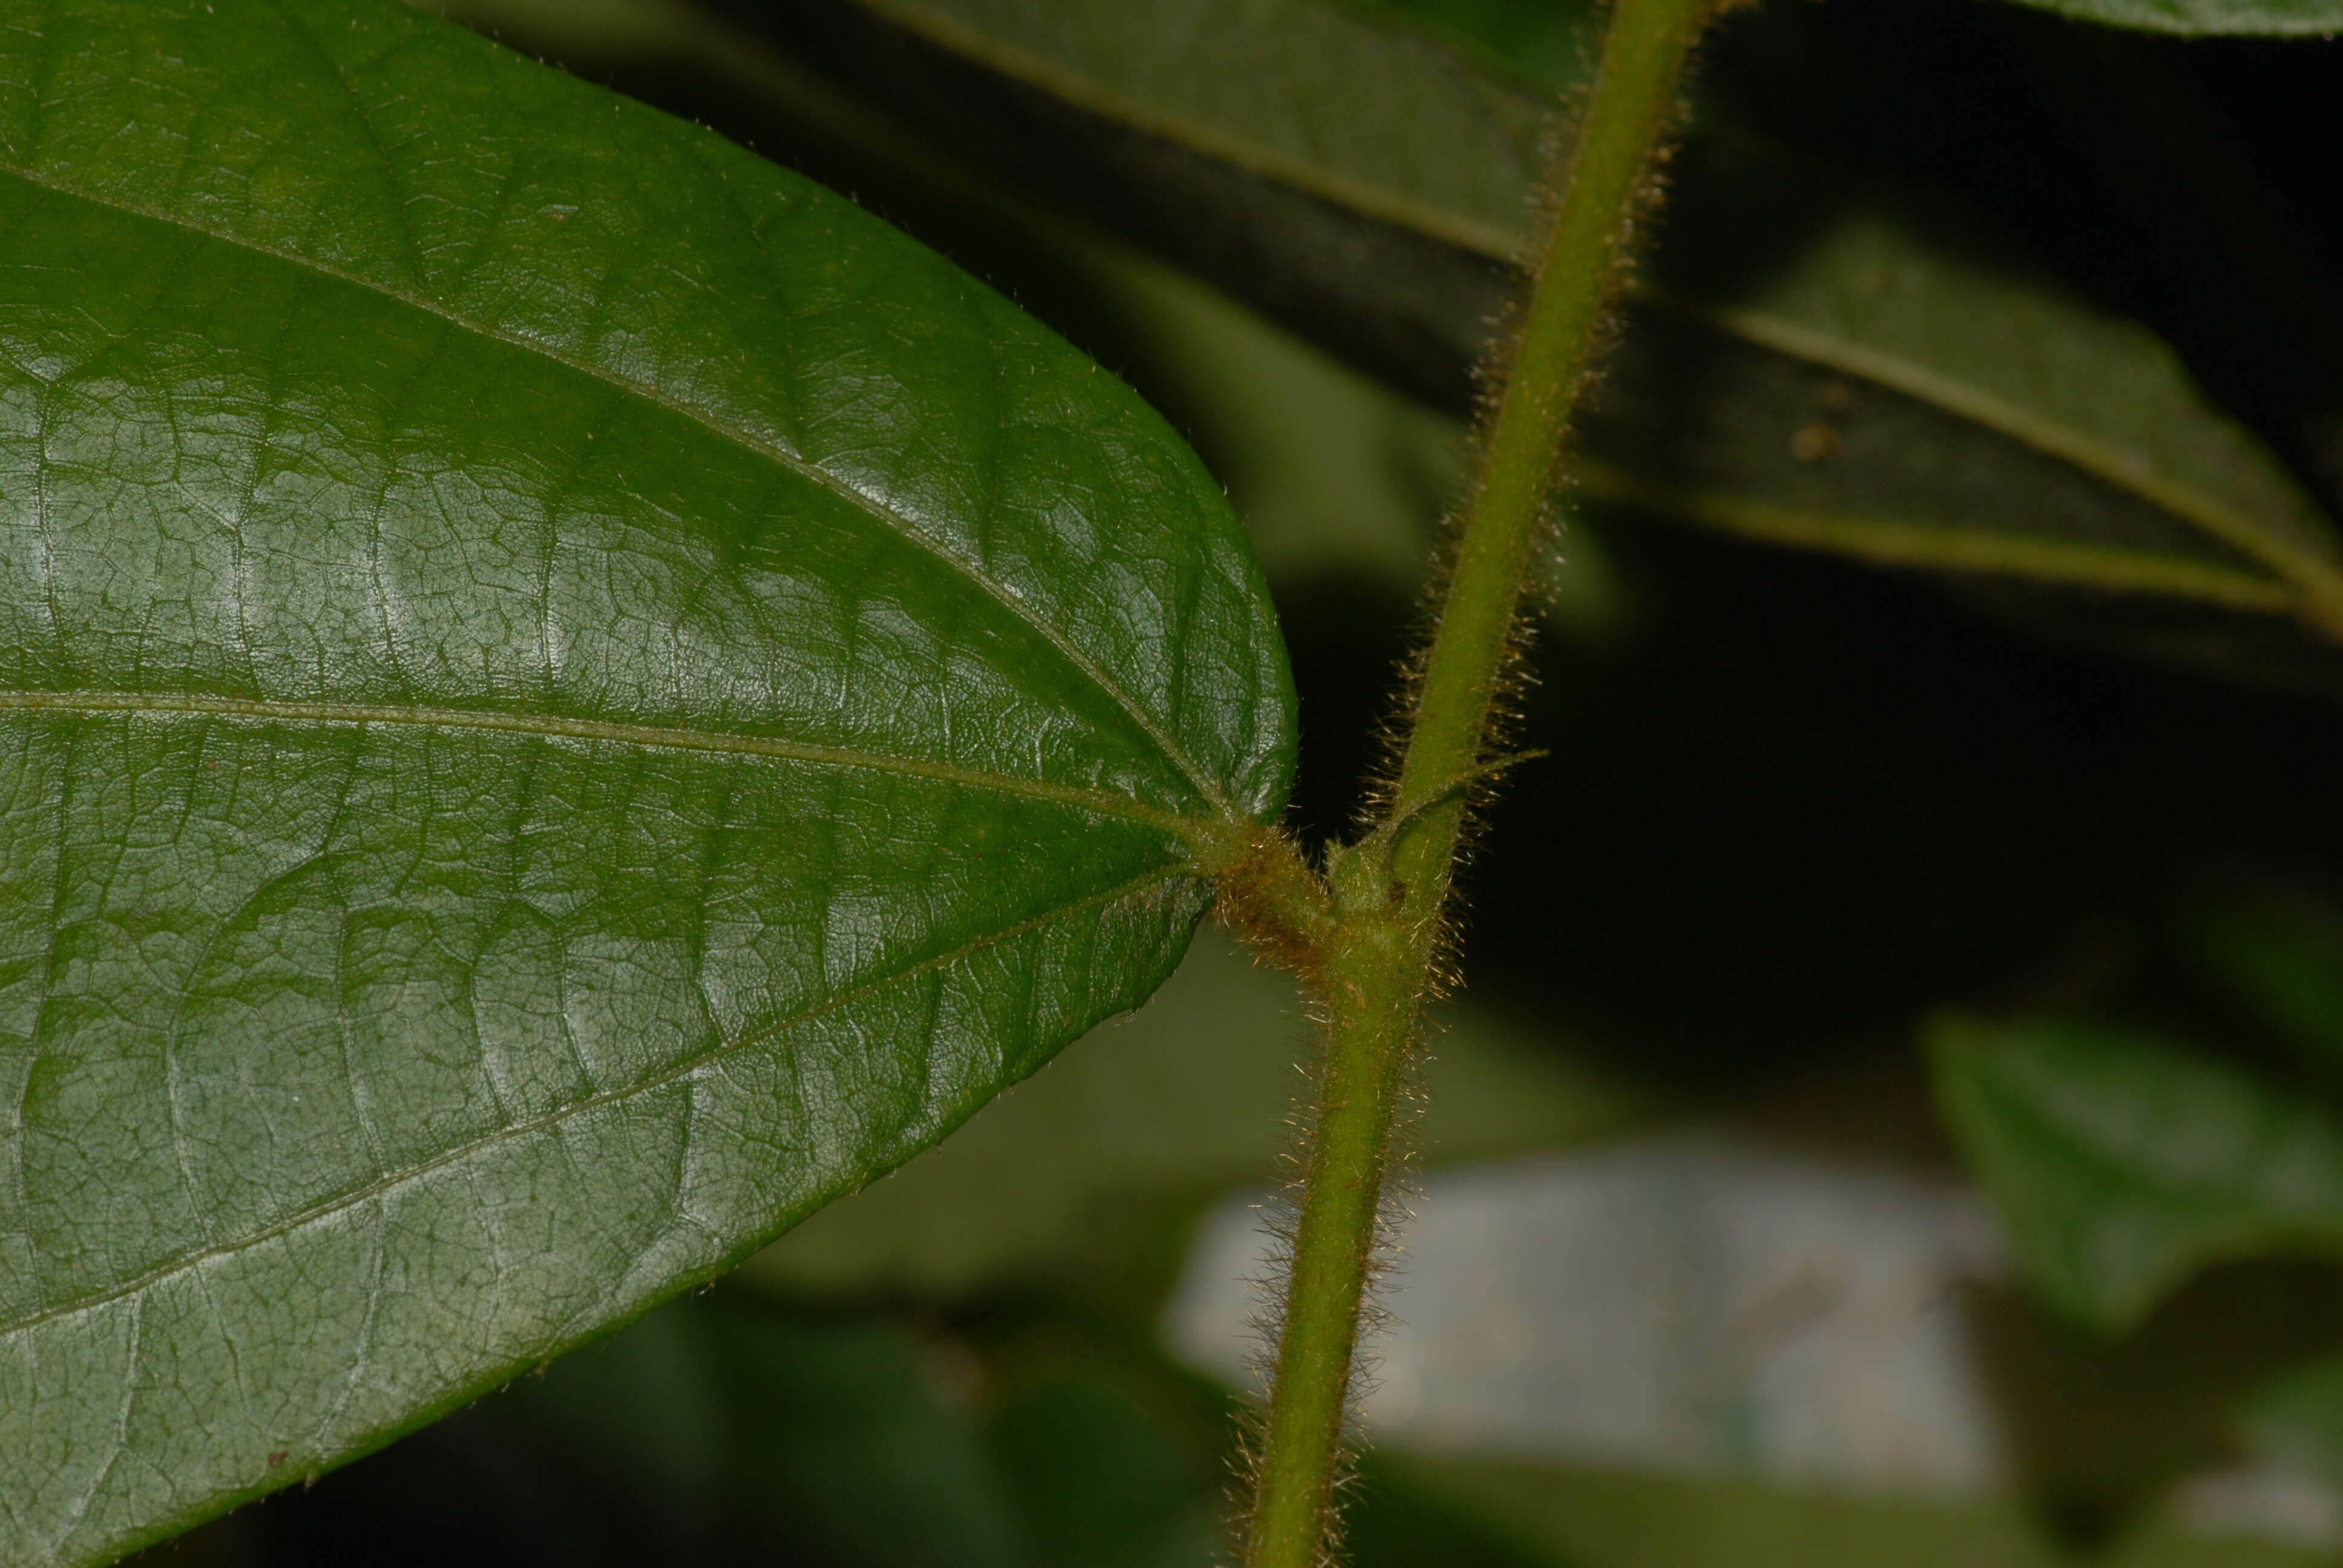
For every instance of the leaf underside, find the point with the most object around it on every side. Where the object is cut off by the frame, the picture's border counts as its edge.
(566, 697)
(1810, 362)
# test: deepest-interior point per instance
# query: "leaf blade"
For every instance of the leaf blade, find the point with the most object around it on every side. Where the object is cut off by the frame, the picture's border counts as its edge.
(569, 696)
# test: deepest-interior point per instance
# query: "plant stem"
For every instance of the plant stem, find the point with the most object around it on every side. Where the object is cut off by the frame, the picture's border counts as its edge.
(1603, 180)
(1390, 889)
(1371, 980)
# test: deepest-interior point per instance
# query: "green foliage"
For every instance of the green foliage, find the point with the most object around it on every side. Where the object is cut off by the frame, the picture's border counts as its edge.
(2123, 1163)
(568, 697)
(1816, 361)
(516, 783)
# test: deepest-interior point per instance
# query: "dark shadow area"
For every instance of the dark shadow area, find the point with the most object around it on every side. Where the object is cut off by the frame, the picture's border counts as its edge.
(1347, 636)
(1811, 801)
(2100, 1427)
(737, 1431)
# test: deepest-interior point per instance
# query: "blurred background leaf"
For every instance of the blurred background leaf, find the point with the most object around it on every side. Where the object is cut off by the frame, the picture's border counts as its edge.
(1820, 362)
(2125, 1157)
(2124, 1163)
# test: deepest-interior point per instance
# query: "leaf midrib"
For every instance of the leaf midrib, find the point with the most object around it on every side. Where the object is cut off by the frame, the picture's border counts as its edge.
(351, 1198)
(862, 501)
(1098, 802)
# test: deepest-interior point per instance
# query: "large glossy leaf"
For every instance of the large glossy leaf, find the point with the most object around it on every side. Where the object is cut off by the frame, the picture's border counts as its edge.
(1811, 363)
(2266, 18)
(2122, 1163)
(565, 696)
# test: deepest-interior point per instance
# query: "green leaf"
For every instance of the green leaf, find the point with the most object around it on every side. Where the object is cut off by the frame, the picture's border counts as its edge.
(566, 697)
(2123, 1163)
(2263, 18)
(1810, 363)
(1872, 389)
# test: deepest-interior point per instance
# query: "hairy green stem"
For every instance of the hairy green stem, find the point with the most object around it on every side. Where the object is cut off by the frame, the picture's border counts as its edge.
(1375, 962)
(1605, 175)
(1370, 978)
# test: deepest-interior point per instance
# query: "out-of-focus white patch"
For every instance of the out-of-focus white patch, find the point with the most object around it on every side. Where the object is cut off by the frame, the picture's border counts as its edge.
(1696, 1304)
(1684, 1305)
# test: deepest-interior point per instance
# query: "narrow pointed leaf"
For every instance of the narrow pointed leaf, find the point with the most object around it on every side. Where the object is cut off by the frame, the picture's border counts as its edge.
(1810, 363)
(2122, 1163)
(1817, 369)
(566, 697)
